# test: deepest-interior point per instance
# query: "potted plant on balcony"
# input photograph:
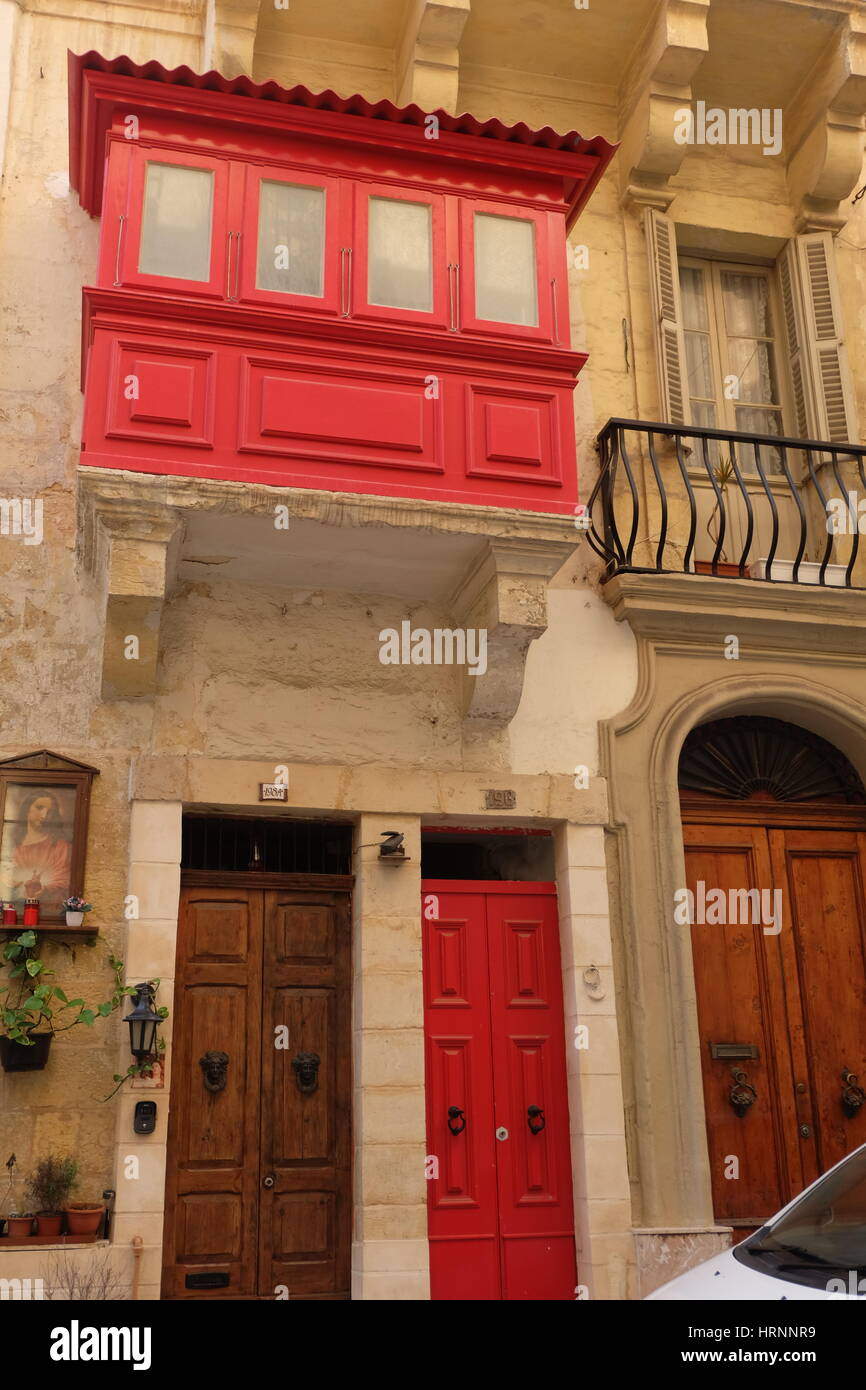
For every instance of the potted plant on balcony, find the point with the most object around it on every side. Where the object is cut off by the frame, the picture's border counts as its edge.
(48, 1187)
(723, 473)
(75, 909)
(35, 1009)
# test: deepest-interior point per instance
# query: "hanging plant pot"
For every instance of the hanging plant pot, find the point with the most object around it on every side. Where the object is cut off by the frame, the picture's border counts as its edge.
(83, 1218)
(16, 1056)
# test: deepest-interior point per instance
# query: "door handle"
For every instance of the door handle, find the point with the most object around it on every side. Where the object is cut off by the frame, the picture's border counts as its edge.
(456, 1119)
(741, 1094)
(268, 1181)
(535, 1118)
(853, 1095)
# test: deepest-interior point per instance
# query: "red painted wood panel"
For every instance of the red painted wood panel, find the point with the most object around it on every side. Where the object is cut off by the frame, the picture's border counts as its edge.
(501, 1221)
(464, 1241)
(244, 393)
(536, 1211)
(328, 390)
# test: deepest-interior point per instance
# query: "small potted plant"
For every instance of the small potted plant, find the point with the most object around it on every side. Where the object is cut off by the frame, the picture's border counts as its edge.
(19, 1227)
(48, 1187)
(75, 909)
(83, 1218)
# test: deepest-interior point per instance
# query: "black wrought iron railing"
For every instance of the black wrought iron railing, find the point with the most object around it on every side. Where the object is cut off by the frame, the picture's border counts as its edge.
(673, 498)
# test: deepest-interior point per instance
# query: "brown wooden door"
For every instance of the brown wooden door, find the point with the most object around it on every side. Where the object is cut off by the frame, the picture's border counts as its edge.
(258, 1188)
(795, 996)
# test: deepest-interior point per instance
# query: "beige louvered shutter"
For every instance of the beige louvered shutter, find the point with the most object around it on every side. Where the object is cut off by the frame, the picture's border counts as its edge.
(813, 319)
(795, 336)
(667, 316)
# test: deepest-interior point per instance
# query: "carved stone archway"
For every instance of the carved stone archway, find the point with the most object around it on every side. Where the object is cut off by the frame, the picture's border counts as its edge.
(685, 681)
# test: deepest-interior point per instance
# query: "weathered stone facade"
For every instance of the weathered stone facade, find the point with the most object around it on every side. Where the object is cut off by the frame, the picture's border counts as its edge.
(259, 657)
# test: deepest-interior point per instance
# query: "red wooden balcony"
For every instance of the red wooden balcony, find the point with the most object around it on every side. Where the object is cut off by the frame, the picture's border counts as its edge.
(310, 292)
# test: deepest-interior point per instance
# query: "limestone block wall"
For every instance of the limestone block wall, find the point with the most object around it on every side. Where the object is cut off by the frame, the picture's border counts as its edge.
(139, 1159)
(602, 1203)
(389, 1252)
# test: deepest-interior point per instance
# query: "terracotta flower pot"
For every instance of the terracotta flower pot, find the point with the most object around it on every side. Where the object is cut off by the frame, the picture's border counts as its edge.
(49, 1223)
(16, 1056)
(19, 1227)
(83, 1218)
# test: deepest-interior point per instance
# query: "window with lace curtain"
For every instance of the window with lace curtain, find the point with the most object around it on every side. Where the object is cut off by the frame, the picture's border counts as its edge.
(734, 369)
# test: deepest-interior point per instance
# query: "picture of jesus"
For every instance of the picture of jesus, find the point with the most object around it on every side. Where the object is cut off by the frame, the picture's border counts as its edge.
(37, 846)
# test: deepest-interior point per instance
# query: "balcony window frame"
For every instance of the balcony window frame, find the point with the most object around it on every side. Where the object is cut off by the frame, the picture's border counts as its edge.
(720, 366)
(336, 226)
(222, 170)
(359, 306)
(550, 288)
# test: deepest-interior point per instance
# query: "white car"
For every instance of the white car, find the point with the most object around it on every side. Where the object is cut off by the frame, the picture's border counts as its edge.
(815, 1248)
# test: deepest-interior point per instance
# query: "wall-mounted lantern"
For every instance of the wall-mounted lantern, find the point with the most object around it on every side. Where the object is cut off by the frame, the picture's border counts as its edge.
(143, 1022)
(392, 850)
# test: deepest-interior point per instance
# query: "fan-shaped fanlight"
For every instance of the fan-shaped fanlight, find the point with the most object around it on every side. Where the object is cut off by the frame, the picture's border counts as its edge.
(734, 758)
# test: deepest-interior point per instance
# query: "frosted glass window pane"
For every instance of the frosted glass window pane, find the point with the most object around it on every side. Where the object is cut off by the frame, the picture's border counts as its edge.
(505, 280)
(291, 238)
(176, 227)
(400, 254)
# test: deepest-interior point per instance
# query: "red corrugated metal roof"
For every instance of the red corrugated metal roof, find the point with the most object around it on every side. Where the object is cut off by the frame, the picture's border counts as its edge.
(465, 124)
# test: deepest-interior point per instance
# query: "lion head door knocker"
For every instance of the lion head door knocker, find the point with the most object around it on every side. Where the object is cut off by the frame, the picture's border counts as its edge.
(306, 1066)
(215, 1066)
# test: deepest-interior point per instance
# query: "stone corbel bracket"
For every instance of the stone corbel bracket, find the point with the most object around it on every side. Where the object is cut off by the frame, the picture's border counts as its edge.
(230, 37)
(656, 85)
(826, 133)
(130, 548)
(428, 58)
(505, 595)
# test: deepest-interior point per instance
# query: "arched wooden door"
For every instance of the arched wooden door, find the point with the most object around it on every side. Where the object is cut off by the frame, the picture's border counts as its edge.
(774, 827)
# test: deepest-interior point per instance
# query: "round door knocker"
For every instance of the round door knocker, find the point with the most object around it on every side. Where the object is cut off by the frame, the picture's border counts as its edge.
(456, 1119)
(853, 1095)
(535, 1118)
(741, 1094)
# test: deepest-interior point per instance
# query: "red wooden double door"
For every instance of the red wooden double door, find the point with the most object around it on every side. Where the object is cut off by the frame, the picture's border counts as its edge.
(782, 1000)
(501, 1220)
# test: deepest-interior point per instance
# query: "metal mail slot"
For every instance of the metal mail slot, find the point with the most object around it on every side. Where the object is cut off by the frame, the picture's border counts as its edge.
(734, 1051)
(207, 1281)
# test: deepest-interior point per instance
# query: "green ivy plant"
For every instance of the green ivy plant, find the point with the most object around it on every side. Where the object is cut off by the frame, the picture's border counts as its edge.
(35, 1001)
(139, 1068)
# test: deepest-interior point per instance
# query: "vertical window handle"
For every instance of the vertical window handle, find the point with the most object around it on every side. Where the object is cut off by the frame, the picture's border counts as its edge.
(229, 267)
(237, 266)
(453, 296)
(117, 254)
(345, 281)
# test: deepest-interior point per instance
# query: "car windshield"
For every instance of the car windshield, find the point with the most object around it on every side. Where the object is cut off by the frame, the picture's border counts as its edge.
(822, 1237)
